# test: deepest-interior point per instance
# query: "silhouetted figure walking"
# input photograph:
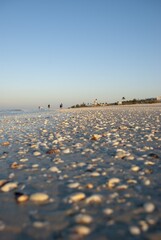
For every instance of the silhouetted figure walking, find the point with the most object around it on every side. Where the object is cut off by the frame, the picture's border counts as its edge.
(61, 105)
(48, 106)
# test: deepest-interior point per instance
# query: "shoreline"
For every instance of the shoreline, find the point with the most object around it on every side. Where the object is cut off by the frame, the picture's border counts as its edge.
(86, 173)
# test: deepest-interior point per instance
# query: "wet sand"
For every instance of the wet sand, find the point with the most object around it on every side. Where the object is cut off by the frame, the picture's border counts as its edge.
(91, 173)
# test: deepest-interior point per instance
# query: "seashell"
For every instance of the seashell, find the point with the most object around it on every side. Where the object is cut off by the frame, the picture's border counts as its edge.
(77, 197)
(94, 199)
(39, 197)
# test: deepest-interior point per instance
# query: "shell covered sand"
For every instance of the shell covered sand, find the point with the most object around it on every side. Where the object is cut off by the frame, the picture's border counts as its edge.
(81, 174)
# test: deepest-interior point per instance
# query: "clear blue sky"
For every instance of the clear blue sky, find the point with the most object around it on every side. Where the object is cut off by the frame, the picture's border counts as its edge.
(74, 51)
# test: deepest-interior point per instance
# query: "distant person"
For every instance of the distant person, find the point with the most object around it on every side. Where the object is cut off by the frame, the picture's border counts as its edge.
(61, 106)
(48, 106)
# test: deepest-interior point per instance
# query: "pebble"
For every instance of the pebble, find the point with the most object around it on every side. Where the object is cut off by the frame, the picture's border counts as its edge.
(2, 225)
(9, 186)
(39, 197)
(135, 168)
(81, 230)
(38, 224)
(67, 150)
(73, 185)
(94, 199)
(5, 144)
(120, 154)
(83, 219)
(112, 182)
(134, 230)
(36, 153)
(77, 197)
(95, 174)
(53, 151)
(96, 137)
(149, 207)
(54, 169)
(108, 211)
(2, 182)
(20, 197)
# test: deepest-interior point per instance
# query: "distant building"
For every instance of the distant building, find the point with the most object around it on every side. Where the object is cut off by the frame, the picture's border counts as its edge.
(119, 103)
(159, 98)
(95, 102)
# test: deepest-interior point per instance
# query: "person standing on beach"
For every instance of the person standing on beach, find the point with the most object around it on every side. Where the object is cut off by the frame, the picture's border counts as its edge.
(61, 105)
(48, 106)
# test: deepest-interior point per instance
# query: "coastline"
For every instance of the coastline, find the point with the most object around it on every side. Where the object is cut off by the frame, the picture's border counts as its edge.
(99, 169)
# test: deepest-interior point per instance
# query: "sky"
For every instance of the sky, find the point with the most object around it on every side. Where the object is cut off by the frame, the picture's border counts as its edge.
(74, 51)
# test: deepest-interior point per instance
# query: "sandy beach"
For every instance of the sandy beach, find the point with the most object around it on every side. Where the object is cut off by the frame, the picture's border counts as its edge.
(90, 173)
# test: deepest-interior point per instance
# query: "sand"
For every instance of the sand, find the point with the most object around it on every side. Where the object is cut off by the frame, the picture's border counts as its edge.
(91, 173)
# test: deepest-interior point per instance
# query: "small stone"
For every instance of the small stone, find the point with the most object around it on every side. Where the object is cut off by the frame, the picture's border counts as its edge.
(94, 199)
(23, 159)
(153, 155)
(82, 230)
(73, 185)
(2, 225)
(89, 186)
(122, 187)
(38, 224)
(95, 174)
(149, 207)
(134, 230)
(149, 163)
(53, 151)
(39, 197)
(83, 219)
(54, 169)
(20, 197)
(16, 165)
(131, 181)
(135, 168)
(2, 182)
(67, 150)
(120, 154)
(108, 211)
(144, 225)
(112, 182)
(35, 165)
(77, 197)
(96, 137)
(9, 186)
(5, 144)
(36, 153)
